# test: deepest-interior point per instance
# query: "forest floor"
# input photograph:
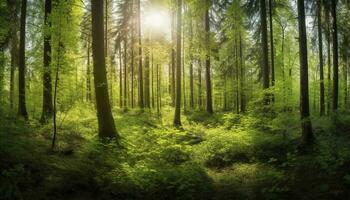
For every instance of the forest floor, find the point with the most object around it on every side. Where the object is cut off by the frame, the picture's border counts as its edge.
(220, 156)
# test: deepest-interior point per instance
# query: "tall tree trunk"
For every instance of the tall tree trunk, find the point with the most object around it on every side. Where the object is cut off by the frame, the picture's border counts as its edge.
(307, 135)
(346, 68)
(88, 73)
(183, 67)
(265, 49)
(207, 62)
(120, 77)
(242, 73)
(47, 84)
(125, 72)
(272, 45)
(152, 77)
(328, 34)
(320, 49)
(191, 65)
(14, 65)
(22, 109)
(132, 68)
(158, 90)
(335, 57)
(237, 76)
(141, 99)
(173, 67)
(200, 102)
(147, 82)
(177, 117)
(104, 114)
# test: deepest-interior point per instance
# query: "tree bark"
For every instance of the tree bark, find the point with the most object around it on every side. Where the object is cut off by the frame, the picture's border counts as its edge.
(272, 45)
(88, 73)
(47, 83)
(177, 117)
(207, 63)
(125, 73)
(328, 34)
(104, 114)
(265, 49)
(191, 66)
(307, 135)
(320, 49)
(141, 98)
(147, 82)
(22, 109)
(14, 65)
(335, 57)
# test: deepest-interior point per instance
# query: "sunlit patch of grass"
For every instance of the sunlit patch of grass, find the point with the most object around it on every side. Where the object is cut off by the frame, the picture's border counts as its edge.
(248, 181)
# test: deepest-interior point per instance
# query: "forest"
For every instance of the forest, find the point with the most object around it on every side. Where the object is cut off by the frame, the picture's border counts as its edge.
(174, 99)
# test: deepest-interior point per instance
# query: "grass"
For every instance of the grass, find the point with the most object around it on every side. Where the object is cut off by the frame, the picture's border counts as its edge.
(225, 156)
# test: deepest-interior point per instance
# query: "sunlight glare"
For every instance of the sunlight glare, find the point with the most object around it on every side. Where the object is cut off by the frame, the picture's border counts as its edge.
(157, 20)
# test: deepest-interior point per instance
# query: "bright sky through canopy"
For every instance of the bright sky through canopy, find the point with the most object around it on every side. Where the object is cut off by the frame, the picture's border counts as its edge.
(157, 21)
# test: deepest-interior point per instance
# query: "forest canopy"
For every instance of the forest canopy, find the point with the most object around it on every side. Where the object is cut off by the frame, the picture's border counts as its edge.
(174, 99)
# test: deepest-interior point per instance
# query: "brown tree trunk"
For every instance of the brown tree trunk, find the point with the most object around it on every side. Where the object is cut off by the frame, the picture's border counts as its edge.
(141, 99)
(307, 135)
(125, 73)
(335, 57)
(200, 101)
(14, 65)
(265, 49)
(177, 117)
(147, 82)
(88, 73)
(47, 84)
(191, 66)
(328, 34)
(104, 114)
(320, 49)
(207, 63)
(22, 109)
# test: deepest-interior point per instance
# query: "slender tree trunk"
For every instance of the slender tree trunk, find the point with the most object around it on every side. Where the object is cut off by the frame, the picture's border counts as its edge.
(335, 57)
(242, 73)
(225, 93)
(22, 109)
(103, 107)
(147, 82)
(47, 84)
(88, 73)
(329, 97)
(177, 118)
(183, 68)
(265, 49)
(191, 66)
(237, 76)
(207, 62)
(346, 81)
(307, 135)
(14, 65)
(173, 86)
(272, 45)
(152, 78)
(200, 102)
(158, 90)
(132, 76)
(125, 72)
(141, 99)
(320, 49)
(132, 54)
(120, 78)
